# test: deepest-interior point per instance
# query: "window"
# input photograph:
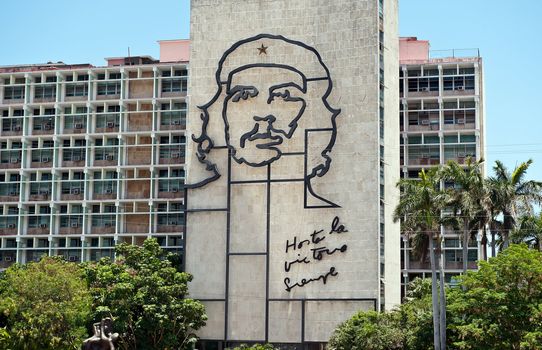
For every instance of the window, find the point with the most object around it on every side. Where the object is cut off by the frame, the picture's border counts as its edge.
(40, 184)
(173, 114)
(43, 154)
(172, 181)
(174, 217)
(44, 91)
(106, 184)
(76, 120)
(14, 92)
(108, 88)
(13, 123)
(177, 83)
(75, 217)
(109, 119)
(76, 89)
(175, 149)
(104, 220)
(108, 151)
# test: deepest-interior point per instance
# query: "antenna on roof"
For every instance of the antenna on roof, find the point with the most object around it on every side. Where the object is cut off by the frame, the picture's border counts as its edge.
(128, 51)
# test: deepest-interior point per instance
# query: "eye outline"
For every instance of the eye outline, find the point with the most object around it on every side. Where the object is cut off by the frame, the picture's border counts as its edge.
(239, 92)
(284, 93)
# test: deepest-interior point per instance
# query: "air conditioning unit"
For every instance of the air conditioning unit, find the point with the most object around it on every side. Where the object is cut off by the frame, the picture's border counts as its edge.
(175, 155)
(174, 190)
(176, 122)
(110, 125)
(461, 155)
(15, 160)
(17, 128)
(12, 193)
(74, 224)
(11, 225)
(426, 89)
(173, 223)
(72, 258)
(460, 88)
(425, 122)
(108, 224)
(75, 191)
(44, 192)
(78, 125)
(45, 159)
(460, 121)
(7, 258)
(47, 127)
(43, 225)
(108, 190)
(109, 157)
(76, 158)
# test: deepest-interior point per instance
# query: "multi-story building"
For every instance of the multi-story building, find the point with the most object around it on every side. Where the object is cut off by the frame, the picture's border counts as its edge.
(441, 119)
(92, 156)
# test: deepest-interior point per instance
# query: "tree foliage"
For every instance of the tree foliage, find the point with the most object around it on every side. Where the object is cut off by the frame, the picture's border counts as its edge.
(146, 297)
(255, 347)
(499, 306)
(409, 327)
(43, 305)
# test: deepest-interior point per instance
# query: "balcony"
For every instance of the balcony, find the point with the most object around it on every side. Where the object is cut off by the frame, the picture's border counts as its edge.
(13, 128)
(40, 229)
(108, 228)
(74, 229)
(7, 258)
(9, 191)
(75, 128)
(42, 160)
(41, 195)
(170, 228)
(46, 128)
(9, 230)
(174, 192)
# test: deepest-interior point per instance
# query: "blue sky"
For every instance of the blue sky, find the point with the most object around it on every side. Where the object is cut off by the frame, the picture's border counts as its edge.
(508, 34)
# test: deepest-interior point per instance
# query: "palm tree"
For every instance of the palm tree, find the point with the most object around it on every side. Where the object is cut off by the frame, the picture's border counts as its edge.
(419, 211)
(466, 198)
(529, 230)
(512, 194)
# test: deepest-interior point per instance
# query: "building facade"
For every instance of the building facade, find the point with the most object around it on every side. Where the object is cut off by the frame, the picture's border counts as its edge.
(441, 119)
(292, 162)
(91, 157)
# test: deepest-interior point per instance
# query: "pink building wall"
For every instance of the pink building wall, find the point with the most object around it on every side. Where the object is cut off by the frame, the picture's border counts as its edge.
(412, 49)
(174, 50)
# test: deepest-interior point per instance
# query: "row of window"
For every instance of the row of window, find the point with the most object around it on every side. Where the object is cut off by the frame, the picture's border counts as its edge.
(109, 88)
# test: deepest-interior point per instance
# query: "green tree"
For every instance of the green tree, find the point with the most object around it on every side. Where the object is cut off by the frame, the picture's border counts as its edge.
(513, 195)
(369, 330)
(255, 347)
(44, 306)
(409, 327)
(419, 210)
(529, 230)
(146, 297)
(466, 198)
(500, 306)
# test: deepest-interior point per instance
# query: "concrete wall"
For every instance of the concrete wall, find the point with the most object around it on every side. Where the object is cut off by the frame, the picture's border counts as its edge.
(174, 50)
(240, 224)
(413, 49)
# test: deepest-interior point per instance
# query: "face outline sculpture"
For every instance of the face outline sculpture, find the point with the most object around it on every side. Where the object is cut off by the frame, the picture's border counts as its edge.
(257, 136)
(273, 105)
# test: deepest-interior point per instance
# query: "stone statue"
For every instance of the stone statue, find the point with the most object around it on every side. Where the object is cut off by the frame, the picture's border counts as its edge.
(102, 339)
